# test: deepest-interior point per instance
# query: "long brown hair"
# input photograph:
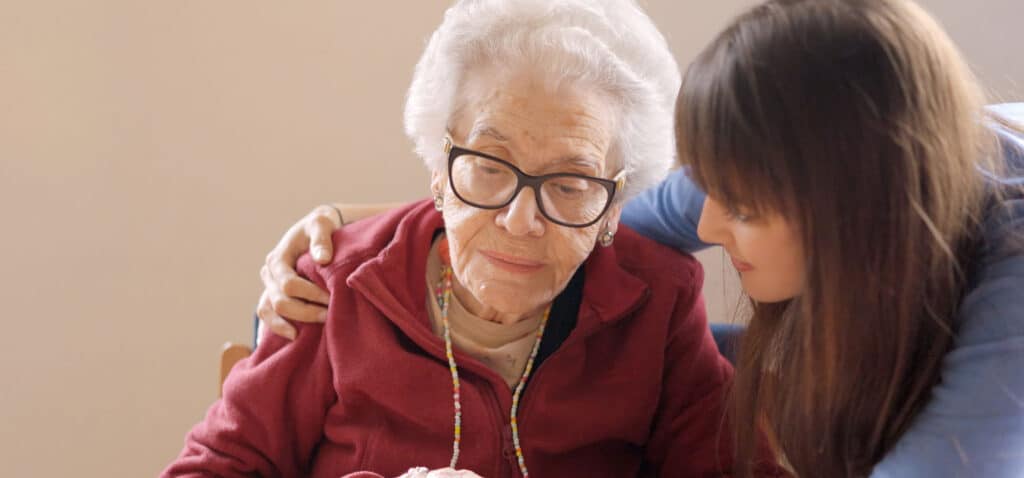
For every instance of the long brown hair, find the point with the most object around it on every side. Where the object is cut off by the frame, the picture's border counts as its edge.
(859, 122)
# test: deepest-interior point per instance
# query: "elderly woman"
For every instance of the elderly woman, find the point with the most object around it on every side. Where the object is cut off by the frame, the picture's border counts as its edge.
(484, 329)
(917, 373)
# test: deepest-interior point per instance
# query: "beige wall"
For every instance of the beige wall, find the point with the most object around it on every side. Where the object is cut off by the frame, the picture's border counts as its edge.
(152, 152)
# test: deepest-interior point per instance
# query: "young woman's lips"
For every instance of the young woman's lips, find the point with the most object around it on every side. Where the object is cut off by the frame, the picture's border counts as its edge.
(740, 265)
(512, 263)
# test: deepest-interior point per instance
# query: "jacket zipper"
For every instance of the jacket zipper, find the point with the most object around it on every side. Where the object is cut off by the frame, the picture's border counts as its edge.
(525, 401)
(507, 464)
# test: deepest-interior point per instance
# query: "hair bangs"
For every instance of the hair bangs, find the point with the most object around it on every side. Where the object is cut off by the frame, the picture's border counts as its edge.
(718, 143)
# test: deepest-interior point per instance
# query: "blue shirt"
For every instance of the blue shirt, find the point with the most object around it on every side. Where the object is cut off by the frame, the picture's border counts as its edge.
(973, 425)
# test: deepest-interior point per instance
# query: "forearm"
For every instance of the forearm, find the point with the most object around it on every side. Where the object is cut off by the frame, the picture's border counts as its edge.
(354, 212)
(668, 213)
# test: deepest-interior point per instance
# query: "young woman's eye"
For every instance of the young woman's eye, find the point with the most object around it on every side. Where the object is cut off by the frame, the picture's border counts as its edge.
(737, 215)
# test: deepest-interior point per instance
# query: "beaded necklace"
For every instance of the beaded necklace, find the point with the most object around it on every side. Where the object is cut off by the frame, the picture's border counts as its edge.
(443, 294)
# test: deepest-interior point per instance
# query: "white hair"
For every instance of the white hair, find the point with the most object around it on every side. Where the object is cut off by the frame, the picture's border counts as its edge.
(608, 44)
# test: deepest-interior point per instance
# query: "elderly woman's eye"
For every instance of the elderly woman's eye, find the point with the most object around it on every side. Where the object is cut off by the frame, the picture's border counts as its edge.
(487, 167)
(571, 188)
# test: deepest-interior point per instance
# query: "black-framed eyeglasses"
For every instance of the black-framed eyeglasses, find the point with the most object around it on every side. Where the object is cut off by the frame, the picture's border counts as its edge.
(567, 199)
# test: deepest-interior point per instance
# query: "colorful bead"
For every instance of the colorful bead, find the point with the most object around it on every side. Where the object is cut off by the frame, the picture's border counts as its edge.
(443, 292)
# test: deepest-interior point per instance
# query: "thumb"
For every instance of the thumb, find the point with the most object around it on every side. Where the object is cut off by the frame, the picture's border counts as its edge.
(320, 245)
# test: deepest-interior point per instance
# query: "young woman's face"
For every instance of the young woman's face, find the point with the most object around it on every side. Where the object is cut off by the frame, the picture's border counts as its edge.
(765, 250)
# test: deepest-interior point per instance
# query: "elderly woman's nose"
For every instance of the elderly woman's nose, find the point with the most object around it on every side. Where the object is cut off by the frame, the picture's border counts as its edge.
(522, 216)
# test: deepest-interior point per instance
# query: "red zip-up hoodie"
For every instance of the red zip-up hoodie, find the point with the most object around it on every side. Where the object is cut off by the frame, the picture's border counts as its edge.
(636, 389)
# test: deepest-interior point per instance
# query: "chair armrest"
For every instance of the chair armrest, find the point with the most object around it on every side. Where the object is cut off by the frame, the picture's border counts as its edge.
(229, 356)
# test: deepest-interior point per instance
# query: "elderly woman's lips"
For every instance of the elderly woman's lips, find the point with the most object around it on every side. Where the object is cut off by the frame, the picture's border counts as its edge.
(512, 263)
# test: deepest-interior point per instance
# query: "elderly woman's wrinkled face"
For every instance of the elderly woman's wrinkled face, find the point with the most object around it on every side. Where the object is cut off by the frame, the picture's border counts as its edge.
(510, 263)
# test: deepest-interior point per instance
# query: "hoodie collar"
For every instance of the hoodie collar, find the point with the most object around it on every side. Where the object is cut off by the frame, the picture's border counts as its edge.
(393, 280)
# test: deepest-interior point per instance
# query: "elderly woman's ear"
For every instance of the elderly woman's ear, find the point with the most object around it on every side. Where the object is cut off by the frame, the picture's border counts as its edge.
(437, 184)
(610, 225)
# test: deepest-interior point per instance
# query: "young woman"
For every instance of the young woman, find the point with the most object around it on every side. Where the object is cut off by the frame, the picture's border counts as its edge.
(849, 171)
(856, 180)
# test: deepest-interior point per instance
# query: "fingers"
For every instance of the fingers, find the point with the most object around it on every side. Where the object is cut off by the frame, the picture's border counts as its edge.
(296, 287)
(272, 321)
(283, 278)
(323, 221)
(285, 303)
(281, 327)
(286, 294)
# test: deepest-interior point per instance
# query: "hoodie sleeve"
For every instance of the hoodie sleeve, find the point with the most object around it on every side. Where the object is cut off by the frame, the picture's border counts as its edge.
(271, 416)
(668, 213)
(690, 437)
(973, 425)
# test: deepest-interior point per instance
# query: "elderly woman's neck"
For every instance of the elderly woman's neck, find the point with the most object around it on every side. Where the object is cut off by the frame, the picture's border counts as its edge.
(468, 303)
(482, 311)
